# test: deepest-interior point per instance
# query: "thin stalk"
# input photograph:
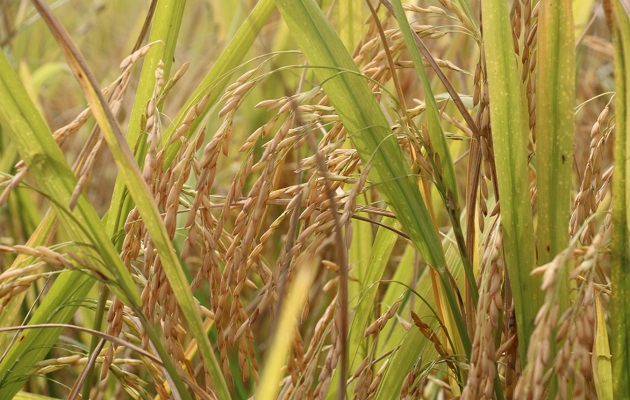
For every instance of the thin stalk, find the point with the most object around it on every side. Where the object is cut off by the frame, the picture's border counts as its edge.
(98, 322)
(620, 256)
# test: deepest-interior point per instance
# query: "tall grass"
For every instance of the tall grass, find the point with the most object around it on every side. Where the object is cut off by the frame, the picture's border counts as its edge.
(300, 199)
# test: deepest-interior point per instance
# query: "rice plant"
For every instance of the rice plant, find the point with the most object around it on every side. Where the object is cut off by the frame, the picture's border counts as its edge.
(300, 199)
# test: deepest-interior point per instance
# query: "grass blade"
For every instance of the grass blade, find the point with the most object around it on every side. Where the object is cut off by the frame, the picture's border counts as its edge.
(620, 257)
(509, 127)
(601, 353)
(436, 135)
(364, 310)
(555, 100)
(277, 356)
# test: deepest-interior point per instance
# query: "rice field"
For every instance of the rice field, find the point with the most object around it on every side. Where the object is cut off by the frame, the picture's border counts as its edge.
(301, 199)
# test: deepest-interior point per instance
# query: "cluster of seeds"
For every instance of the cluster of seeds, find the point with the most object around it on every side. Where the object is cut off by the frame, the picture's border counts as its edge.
(561, 346)
(595, 182)
(480, 383)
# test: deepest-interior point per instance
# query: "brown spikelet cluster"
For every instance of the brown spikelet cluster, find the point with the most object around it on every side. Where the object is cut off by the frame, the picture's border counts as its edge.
(432, 336)
(524, 34)
(576, 328)
(17, 280)
(307, 369)
(138, 252)
(569, 336)
(595, 182)
(480, 383)
(534, 381)
(414, 383)
(451, 7)
(508, 355)
(524, 17)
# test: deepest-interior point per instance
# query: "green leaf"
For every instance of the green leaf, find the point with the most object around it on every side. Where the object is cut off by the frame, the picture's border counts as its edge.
(555, 101)
(509, 120)
(436, 134)
(603, 365)
(620, 249)
(279, 351)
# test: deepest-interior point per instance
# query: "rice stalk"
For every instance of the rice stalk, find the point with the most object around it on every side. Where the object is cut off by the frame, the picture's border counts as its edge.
(620, 27)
